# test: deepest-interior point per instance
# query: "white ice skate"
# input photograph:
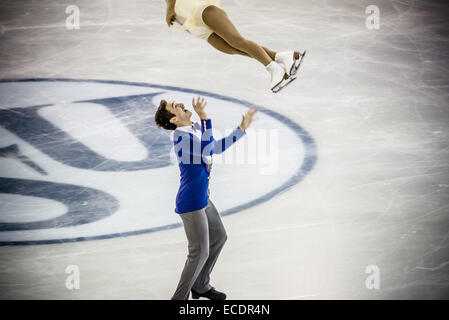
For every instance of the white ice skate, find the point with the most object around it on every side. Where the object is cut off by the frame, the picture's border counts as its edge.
(278, 76)
(290, 60)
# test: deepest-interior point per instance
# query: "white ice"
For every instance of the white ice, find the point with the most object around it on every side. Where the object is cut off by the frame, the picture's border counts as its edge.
(374, 101)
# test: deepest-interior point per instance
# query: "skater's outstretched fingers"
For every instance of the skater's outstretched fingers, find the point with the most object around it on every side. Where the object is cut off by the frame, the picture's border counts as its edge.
(200, 104)
(199, 107)
(248, 118)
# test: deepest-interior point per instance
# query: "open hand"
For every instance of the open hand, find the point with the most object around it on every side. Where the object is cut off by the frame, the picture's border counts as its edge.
(247, 118)
(199, 106)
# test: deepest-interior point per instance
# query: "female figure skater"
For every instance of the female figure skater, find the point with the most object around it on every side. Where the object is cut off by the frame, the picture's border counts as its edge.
(206, 20)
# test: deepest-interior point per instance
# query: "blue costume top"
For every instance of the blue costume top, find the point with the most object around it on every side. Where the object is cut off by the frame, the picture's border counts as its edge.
(194, 146)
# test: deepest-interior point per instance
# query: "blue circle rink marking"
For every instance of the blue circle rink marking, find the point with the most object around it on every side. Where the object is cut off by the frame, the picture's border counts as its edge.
(310, 157)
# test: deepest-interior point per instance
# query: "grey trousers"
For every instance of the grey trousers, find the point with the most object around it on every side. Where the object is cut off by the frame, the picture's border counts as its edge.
(206, 236)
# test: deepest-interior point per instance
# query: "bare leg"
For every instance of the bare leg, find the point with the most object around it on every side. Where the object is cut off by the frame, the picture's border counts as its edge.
(216, 19)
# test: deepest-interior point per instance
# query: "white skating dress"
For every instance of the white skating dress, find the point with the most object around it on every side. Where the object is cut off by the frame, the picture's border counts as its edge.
(189, 16)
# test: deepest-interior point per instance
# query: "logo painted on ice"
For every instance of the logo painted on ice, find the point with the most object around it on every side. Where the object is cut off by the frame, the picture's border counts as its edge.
(84, 160)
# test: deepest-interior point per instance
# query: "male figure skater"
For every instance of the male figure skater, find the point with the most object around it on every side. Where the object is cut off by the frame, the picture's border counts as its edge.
(206, 235)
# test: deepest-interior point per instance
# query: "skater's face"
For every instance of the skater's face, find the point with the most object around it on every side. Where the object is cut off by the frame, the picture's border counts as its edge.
(182, 115)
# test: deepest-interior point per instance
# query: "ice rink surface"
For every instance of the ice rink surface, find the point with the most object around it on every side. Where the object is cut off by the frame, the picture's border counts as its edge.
(369, 110)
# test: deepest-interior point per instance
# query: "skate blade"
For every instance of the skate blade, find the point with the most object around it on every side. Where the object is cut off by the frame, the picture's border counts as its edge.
(284, 84)
(295, 67)
(278, 87)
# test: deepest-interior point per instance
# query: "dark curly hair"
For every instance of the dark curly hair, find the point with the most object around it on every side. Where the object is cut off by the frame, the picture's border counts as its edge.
(163, 116)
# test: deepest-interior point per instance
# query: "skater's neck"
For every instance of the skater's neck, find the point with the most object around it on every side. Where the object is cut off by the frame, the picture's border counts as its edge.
(185, 124)
(170, 3)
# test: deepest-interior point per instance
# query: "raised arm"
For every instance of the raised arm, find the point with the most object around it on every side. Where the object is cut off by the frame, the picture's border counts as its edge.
(170, 3)
(170, 16)
(217, 146)
(222, 144)
(208, 144)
